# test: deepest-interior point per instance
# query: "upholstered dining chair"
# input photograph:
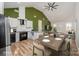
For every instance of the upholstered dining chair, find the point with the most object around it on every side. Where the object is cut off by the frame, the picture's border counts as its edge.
(38, 49)
(66, 47)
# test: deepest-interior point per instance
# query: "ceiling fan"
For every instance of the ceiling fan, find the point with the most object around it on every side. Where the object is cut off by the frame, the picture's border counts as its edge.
(51, 6)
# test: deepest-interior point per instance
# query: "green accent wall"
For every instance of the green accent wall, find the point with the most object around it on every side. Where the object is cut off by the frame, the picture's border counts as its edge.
(11, 13)
(30, 13)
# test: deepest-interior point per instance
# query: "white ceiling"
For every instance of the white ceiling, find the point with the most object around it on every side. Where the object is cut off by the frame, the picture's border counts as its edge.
(65, 11)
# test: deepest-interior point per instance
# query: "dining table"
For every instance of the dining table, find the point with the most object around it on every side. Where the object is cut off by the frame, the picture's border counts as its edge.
(52, 43)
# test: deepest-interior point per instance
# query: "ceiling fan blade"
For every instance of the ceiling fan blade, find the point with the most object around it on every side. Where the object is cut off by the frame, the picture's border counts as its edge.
(54, 8)
(46, 6)
(53, 3)
(51, 9)
(49, 4)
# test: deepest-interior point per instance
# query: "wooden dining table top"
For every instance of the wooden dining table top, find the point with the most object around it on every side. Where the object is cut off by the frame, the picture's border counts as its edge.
(53, 44)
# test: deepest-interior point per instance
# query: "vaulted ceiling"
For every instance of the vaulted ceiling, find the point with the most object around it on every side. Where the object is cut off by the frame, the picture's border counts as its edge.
(65, 11)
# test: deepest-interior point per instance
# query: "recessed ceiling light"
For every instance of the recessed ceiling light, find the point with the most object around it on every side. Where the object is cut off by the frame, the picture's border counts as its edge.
(35, 16)
(16, 10)
(68, 26)
(54, 25)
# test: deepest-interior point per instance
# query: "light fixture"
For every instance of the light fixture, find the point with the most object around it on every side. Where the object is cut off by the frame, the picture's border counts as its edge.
(15, 10)
(35, 16)
(11, 30)
(69, 26)
(51, 6)
(54, 25)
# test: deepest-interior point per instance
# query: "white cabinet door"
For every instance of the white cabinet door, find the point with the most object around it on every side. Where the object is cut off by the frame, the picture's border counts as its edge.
(13, 22)
(29, 24)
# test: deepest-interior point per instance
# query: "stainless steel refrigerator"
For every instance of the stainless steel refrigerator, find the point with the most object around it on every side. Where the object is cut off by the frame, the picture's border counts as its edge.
(2, 35)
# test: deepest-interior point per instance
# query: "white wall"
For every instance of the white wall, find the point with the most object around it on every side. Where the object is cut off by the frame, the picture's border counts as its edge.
(77, 23)
(61, 26)
(1, 8)
(21, 11)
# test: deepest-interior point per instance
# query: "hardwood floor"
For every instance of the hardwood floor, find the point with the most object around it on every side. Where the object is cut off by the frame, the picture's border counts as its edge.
(74, 50)
(25, 48)
(22, 48)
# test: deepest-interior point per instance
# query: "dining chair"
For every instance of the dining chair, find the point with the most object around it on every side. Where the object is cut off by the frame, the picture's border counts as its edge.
(38, 49)
(66, 48)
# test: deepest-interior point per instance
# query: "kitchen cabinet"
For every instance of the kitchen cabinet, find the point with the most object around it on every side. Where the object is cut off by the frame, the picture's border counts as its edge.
(29, 24)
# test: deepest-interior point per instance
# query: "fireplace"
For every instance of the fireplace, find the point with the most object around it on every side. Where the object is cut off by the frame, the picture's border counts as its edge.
(23, 36)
